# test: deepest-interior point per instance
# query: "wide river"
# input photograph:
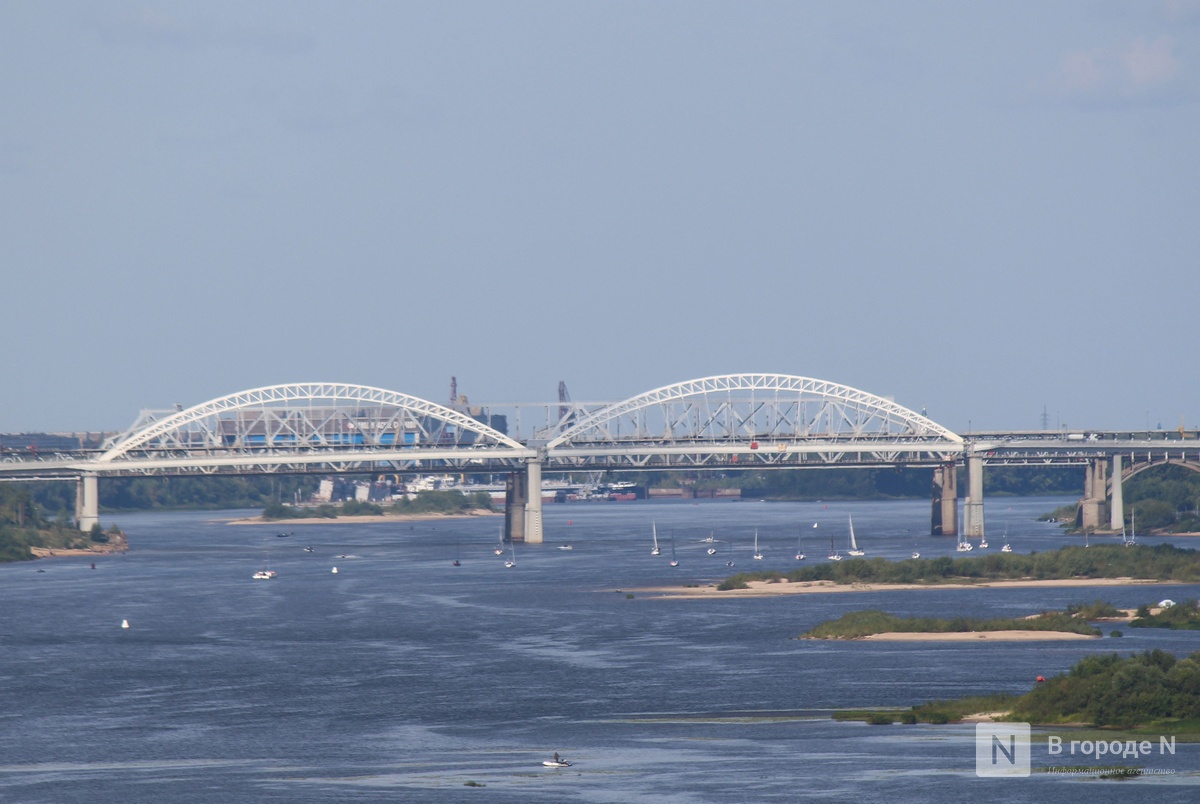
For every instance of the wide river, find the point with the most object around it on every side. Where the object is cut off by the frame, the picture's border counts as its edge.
(403, 678)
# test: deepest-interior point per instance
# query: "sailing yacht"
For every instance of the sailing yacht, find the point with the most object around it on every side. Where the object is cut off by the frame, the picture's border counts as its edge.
(834, 555)
(1007, 548)
(512, 562)
(757, 553)
(729, 563)
(799, 549)
(674, 561)
(499, 549)
(964, 546)
(266, 573)
(1133, 531)
(654, 531)
(854, 548)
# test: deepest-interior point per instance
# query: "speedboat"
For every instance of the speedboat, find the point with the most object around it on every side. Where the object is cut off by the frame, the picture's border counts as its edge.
(556, 763)
(916, 554)
(264, 575)
(308, 549)
(565, 547)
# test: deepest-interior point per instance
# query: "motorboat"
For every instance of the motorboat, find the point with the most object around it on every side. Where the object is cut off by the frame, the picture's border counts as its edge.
(566, 547)
(557, 762)
(915, 554)
(264, 575)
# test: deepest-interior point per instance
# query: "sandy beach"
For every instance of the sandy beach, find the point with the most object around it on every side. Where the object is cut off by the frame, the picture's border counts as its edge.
(781, 588)
(355, 520)
(975, 636)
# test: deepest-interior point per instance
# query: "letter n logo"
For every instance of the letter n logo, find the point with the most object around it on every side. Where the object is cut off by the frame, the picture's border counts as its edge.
(1001, 749)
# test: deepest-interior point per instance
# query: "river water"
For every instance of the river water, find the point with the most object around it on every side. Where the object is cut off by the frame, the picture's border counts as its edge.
(403, 678)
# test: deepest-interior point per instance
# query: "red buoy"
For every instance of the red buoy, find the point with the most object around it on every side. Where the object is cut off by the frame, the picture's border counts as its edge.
(1041, 678)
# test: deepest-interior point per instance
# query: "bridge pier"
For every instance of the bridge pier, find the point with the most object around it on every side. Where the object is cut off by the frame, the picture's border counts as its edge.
(944, 517)
(973, 515)
(1116, 518)
(533, 505)
(87, 501)
(516, 495)
(1095, 484)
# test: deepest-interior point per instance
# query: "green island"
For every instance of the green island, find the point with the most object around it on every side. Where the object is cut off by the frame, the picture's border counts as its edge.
(26, 532)
(1151, 691)
(858, 624)
(428, 502)
(1183, 616)
(1161, 562)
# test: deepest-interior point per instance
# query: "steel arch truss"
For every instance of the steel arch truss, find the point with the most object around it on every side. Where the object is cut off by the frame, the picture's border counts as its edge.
(312, 427)
(752, 421)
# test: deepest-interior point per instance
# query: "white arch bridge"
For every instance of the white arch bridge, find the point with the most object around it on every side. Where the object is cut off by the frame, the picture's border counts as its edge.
(734, 421)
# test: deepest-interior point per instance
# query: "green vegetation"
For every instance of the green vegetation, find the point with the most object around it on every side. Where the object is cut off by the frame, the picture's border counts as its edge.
(1144, 689)
(1096, 610)
(24, 525)
(1183, 616)
(1162, 562)
(1150, 690)
(857, 624)
(1166, 499)
(436, 502)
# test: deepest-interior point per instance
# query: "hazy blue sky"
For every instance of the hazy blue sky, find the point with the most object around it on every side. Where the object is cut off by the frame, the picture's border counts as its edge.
(981, 208)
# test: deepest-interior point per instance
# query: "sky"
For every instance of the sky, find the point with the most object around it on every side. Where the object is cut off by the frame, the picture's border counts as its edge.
(987, 210)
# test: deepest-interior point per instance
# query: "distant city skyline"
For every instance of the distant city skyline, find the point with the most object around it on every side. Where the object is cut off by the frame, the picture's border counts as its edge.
(976, 212)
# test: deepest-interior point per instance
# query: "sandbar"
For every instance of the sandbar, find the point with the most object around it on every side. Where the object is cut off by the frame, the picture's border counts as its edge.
(356, 520)
(974, 636)
(781, 588)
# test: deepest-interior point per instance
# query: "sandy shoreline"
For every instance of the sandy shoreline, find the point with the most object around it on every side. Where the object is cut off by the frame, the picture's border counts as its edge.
(767, 589)
(56, 552)
(354, 520)
(974, 636)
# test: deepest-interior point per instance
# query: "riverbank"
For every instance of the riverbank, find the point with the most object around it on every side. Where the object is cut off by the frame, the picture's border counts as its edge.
(358, 519)
(973, 636)
(756, 589)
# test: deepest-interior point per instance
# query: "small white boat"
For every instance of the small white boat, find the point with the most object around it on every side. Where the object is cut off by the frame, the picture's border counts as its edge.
(983, 544)
(565, 547)
(334, 570)
(124, 623)
(556, 763)
(674, 561)
(1007, 548)
(264, 575)
(915, 554)
(964, 546)
(758, 556)
(834, 555)
(654, 532)
(512, 562)
(855, 550)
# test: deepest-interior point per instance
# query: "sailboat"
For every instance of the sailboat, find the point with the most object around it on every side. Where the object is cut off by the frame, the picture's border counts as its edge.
(712, 551)
(855, 550)
(964, 546)
(674, 561)
(983, 544)
(757, 553)
(266, 573)
(729, 563)
(834, 555)
(512, 562)
(499, 549)
(457, 554)
(1132, 542)
(1007, 548)
(654, 532)
(799, 549)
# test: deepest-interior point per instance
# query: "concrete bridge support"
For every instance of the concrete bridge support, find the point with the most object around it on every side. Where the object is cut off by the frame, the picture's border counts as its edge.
(944, 517)
(516, 495)
(1116, 518)
(973, 515)
(87, 502)
(533, 505)
(1095, 487)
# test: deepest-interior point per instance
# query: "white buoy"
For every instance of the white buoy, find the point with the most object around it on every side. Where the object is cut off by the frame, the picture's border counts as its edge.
(124, 623)
(334, 570)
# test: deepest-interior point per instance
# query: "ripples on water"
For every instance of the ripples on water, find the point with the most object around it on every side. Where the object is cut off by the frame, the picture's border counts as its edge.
(401, 677)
